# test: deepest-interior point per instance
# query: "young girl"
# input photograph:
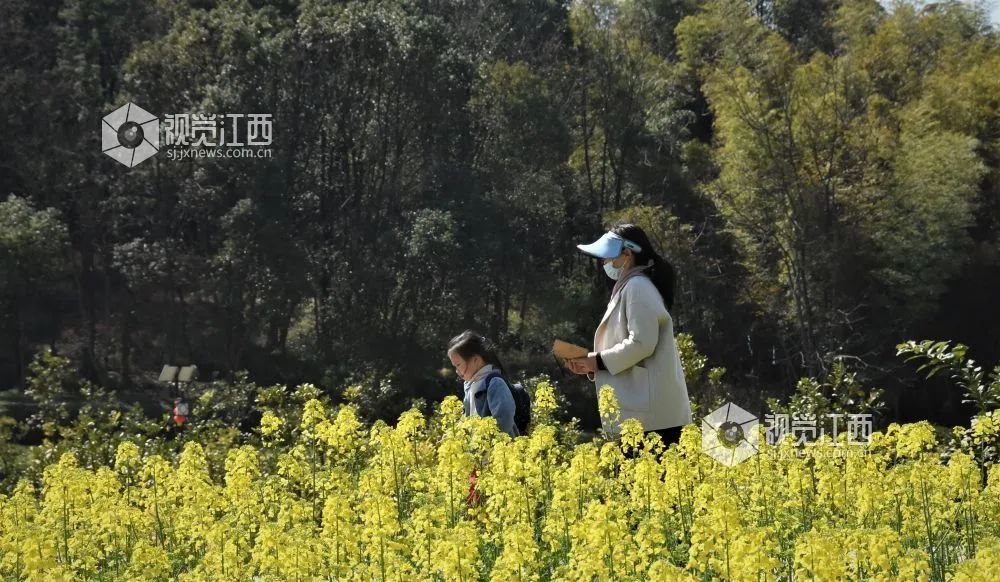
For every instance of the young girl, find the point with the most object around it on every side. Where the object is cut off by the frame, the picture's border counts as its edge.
(487, 392)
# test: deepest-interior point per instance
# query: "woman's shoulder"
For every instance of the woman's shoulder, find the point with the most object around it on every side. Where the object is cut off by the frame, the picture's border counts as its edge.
(639, 285)
(641, 289)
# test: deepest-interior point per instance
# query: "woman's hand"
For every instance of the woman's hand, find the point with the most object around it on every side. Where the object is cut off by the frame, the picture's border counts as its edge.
(582, 366)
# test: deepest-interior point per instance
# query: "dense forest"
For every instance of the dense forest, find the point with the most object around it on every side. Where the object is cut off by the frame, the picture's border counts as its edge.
(824, 175)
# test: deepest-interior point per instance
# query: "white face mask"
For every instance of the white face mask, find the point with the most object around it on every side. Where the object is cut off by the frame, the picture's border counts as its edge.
(613, 271)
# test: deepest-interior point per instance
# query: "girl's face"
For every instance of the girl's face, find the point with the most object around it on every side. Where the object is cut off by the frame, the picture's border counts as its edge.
(466, 368)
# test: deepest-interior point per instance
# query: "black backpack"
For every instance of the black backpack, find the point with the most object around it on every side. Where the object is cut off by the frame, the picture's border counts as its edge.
(522, 402)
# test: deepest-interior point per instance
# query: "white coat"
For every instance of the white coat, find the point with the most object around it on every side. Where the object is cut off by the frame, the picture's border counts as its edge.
(636, 341)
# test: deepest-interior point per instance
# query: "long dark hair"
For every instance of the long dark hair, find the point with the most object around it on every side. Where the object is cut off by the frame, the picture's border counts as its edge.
(661, 272)
(469, 343)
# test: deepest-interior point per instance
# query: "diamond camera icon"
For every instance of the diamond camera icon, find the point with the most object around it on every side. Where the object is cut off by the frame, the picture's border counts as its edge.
(130, 134)
(729, 435)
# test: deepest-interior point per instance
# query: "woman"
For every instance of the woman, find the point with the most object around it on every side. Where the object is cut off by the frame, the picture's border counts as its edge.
(634, 348)
(487, 392)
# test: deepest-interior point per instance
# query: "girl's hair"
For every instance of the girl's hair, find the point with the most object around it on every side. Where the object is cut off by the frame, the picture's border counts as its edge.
(660, 272)
(469, 343)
